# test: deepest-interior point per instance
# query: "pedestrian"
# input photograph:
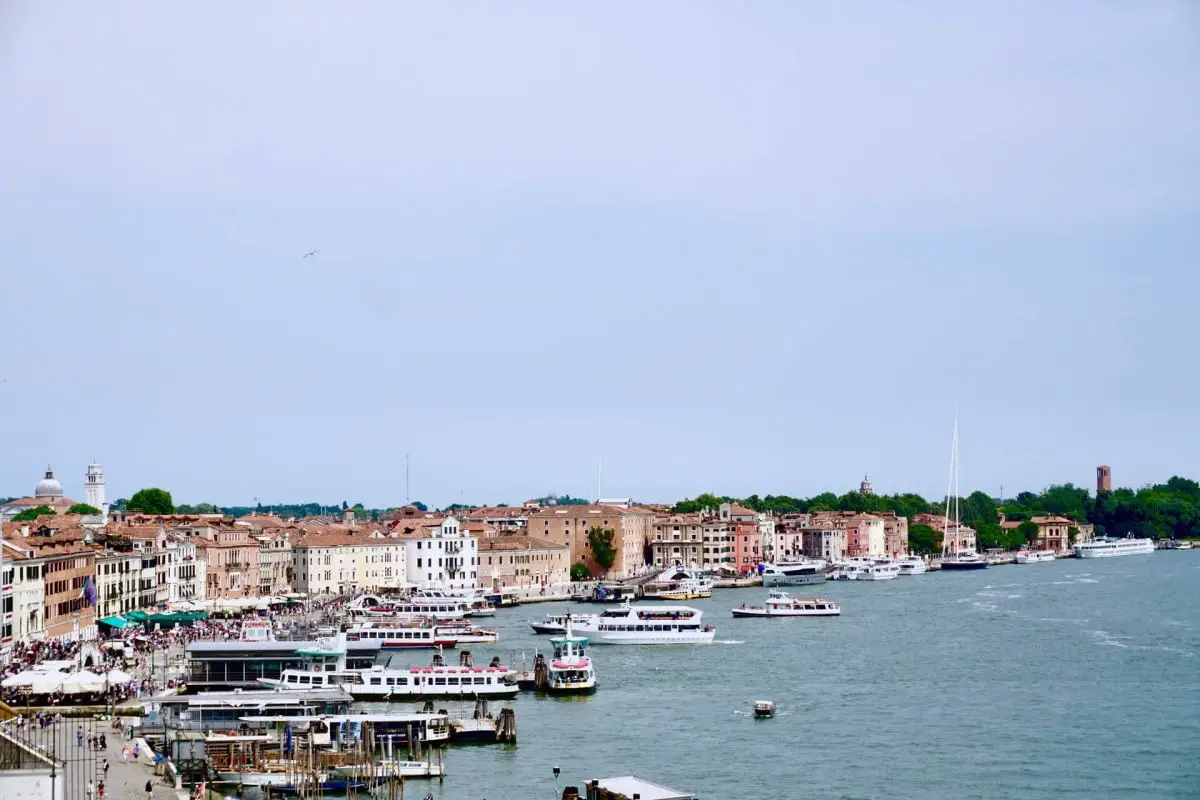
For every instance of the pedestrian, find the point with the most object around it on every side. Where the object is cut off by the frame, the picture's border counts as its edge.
(79, 736)
(100, 791)
(104, 768)
(89, 790)
(149, 790)
(103, 742)
(135, 751)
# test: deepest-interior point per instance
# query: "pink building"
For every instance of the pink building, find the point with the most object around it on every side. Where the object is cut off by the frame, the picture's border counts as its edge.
(232, 555)
(747, 546)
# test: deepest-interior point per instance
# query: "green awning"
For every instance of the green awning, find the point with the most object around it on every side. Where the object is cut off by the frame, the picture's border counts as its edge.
(137, 616)
(120, 623)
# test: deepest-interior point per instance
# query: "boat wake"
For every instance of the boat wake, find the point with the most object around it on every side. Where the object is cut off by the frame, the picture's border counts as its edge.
(1106, 639)
(728, 641)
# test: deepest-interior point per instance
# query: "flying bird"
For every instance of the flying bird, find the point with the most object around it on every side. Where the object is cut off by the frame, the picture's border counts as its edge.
(312, 253)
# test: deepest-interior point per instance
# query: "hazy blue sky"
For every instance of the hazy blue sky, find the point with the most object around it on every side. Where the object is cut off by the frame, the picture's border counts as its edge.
(746, 247)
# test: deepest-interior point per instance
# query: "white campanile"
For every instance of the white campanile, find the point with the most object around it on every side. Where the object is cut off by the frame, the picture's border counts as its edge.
(93, 488)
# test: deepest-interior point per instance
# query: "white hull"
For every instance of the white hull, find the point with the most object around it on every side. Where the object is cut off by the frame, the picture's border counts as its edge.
(388, 769)
(878, 574)
(258, 778)
(913, 567)
(1040, 557)
(798, 574)
(634, 637)
(1121, 547)
(782, 612)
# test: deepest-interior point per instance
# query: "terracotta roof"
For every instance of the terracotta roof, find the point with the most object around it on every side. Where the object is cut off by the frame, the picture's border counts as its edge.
(1053, 519)
(592, 510)
(520, 542)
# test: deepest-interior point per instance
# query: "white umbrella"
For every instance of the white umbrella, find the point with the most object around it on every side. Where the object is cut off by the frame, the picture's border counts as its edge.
(47, 683)
(21, 679)
(117, 676)
(82, 681)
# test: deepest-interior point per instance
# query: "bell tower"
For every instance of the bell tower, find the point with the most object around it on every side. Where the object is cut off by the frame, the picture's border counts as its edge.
(93, 489)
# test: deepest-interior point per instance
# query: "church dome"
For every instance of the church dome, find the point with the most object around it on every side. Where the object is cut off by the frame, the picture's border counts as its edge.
(48, 486)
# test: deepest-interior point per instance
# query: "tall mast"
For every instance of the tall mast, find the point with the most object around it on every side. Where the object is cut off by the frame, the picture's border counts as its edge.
(950, 486)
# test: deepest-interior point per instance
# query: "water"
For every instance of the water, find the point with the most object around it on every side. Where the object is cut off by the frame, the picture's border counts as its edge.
(1059, 680)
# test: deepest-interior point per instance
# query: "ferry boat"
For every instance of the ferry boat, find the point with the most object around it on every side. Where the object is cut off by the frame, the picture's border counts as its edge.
(327, 668)
(417, 635)
(557, 623)
(912, 565)
(1110, 548)
(780, 604)
(649, 625)
(879, 571)
(677, 583)
(375, 607)
(390, 769)
(570, 671)
(1035, 556)
(793, 573)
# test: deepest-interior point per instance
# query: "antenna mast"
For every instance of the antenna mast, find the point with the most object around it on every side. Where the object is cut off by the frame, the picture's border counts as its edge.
(407, 497)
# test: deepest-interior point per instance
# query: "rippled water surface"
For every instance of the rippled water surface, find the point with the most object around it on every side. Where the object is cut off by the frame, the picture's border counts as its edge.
(1059, 680)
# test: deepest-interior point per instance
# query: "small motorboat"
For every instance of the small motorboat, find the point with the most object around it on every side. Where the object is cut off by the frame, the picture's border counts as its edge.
(764, 709)
(389, 769)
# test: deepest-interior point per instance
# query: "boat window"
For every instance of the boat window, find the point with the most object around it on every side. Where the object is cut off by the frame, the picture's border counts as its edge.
(439, 681)
(452, 681)
(480, 681)
(376, 681)
(402, 681)
(305, 679)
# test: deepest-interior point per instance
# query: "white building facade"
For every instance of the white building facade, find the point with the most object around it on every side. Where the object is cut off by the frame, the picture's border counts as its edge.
(442, 555)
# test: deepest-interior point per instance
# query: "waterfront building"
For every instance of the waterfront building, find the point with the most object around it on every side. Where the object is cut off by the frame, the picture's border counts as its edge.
(504, 518)
(117, 574)
(440, 554)
(895, 535)
(569, 525)
(823, 539)
(60, 552)
(323, 561)
(675, 539)
(274, 560)
(747, 546)
(957, 540)
(381, 560)
(517, 560)
(716, 536)
(1053, 533)
(231, 556)
(865, 536)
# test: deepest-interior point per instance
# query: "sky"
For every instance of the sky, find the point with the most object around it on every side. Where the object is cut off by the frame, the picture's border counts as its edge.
(733, 247)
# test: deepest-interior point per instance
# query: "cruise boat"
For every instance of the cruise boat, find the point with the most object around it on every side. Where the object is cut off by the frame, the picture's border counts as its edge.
(1109, 548)
(326, 668)
(779, 604)
(570, 671)
(557, 623)
(649, 625)
(879, 571)
(1035, 556)
(677, 583)
(417, 636)
(912, 565)
(793, 573)
(475, 600)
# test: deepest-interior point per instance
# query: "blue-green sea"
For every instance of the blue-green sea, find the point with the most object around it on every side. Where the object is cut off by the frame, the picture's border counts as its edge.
(1073, 679)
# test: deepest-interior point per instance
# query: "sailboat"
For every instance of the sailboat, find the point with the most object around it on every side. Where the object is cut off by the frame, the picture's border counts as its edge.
(961, 557)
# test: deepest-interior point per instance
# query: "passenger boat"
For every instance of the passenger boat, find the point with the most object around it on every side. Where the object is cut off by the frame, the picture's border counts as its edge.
(793, 573)
(878, 571)
(1111, 548)
(374, 607)
(326, 668)
(570, 671)
(678, 583)
(557, 623)
(390, 769)
(400, 637)
(649, 625)
(1035, 556)
(780, 604)
(475, 600)
(912, 565)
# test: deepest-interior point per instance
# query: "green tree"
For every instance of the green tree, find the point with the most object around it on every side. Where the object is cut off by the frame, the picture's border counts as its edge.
(151, 501)
(579, 572)
(702, 502)
(30, 514)
(1028, 531)
(826, 501)
(84, 509)
(603, 549)
(924, 540)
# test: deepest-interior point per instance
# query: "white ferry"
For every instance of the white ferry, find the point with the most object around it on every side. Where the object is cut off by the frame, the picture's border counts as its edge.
(793, 573)
(570, 671)
(476, 600)
(912, 565)
(879, 571)
(1109, 548)
(649, 625)
(420, 637)
(779, 604)
(374, 607)
(557, 623)
(1035, 556)
(677, 583)
(326, 668)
